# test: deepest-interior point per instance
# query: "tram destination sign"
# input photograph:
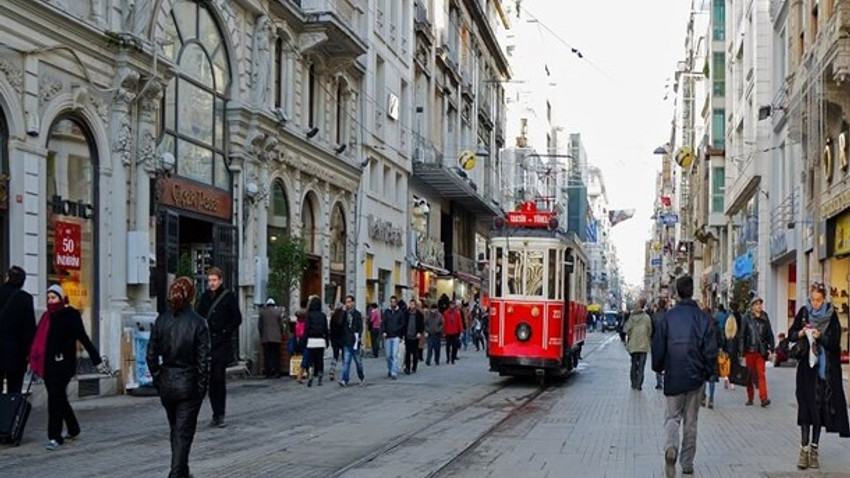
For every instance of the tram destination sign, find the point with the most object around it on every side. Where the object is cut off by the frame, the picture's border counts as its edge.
(529, 219)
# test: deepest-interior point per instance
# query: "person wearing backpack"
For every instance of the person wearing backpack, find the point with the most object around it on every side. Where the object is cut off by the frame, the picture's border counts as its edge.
(17, 329)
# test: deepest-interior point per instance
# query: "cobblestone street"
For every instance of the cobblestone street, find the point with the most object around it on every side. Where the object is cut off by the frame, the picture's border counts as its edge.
(451, 421)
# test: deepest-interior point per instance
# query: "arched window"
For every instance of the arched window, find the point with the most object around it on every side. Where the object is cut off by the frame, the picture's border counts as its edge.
(4, 193)
(193, 104)
(278, 213)
(338, 237)
(72, 233)
(308, 218)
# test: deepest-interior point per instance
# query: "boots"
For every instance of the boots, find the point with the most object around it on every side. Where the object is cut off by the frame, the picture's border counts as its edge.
(814, 459)
(320, 380)
(803, 461)
(711, 404)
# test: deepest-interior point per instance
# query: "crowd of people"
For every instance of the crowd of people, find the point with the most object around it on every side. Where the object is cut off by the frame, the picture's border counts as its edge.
(693, 348)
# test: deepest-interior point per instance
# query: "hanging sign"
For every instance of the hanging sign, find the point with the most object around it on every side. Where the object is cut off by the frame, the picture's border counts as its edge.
(67, 246)
(529, 216)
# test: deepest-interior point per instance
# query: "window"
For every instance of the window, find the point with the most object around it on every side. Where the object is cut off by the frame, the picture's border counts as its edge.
(718, 129)
(389, 183)
(193, 104)
(380, 91)
(498, 272)
(718, 20)
(72, 217)
(719, 73)
(399, 188)
(552, 268)
(313, 95)
(338, 239)
(4, 193)
(278, 213)
(514, 273)
(278, 73)
(308, 218)
(374, 176)
(534, 273)
(718, 188)
(340, 112)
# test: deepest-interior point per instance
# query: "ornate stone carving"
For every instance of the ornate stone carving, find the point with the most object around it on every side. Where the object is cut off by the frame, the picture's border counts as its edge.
(49, 88)
(261, 64)
(122, 140)
(384, 231)
(147, 150)
(126, 83)
(15, 76)
(101, 107)
(430, 251)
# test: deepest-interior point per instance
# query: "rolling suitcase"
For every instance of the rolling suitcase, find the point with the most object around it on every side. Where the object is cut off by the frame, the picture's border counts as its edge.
(14, 411)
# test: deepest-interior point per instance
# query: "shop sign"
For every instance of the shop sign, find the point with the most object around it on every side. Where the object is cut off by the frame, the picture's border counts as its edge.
(67, 246)
(63, 207)
(193, 197)
(841, 246)
(529, 216)
(430, 251)
(835, 205)
(668, 219)
(655, 261)
(744, 266)
(384, 231)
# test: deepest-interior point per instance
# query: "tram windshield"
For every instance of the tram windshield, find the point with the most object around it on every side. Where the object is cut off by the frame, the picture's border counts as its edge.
(528, 272)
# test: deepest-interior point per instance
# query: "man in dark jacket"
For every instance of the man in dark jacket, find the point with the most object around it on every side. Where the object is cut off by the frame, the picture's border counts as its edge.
(178, 357)
(660, 310)
(352, 331)
(685, 349)
(756, 344)
(337, 331)
(434, 333)
(17, 329)
(221, 309)
(392, 330)
(414, 327)
(270, 327)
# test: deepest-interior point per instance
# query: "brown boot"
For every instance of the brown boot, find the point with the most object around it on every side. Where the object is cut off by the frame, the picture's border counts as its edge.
(814, 459)
(803, 461)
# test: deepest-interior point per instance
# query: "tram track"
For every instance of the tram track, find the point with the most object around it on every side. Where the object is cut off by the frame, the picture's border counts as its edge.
(408, 439)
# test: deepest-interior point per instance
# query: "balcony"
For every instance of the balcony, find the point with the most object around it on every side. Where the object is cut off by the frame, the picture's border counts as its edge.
(422, 24)
(451, 182)
(464, 268)
(336, 27)
(744, 183)
(782, 246)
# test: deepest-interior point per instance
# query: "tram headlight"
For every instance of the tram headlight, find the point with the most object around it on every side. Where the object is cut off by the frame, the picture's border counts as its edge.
(523, 332)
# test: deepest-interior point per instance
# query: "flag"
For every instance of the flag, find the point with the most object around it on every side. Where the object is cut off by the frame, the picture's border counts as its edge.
(616, 216)
(592, 232)
(665, 201)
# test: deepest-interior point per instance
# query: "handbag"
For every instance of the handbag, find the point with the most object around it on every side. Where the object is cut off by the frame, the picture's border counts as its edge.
(740, 374)
(724, 364)
(799, 349)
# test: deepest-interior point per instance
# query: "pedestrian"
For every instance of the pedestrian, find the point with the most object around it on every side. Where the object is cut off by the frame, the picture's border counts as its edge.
(720, 316)
(685, 350)
(54, 358)
(756, 343)
(657, 316)
(375, 329)
(352, 331)
(477, 327)
(467, 324)
(639, 332)
(452, 327)
(434, 334)
(392, 330)
(301, 341)
(721, 344)
(336, 332)
(17, 329)
(414, 327)
(178, 358)
(820, 388)
(221, 309)
(270, 326)
(730, 333)
(318, 338)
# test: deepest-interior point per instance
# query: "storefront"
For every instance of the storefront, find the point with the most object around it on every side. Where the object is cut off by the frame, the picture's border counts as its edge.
(837, 269)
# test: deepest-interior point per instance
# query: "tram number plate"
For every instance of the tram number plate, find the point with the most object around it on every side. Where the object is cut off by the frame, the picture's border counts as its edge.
(556, 314)
(556, 341)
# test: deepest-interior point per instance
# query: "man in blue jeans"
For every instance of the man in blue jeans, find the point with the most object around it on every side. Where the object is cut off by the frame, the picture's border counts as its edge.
(392, 329)
(352, 327)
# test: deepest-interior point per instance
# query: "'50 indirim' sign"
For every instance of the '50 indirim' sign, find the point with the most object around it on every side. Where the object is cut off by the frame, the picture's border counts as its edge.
(67, 246)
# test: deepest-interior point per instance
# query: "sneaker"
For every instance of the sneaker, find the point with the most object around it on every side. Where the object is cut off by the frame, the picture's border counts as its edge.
(749, 403)
(711, 404)
(343, 383)
(52, 445)
(765, 403)
(814, 459)
(670, 456)
(394, 377)
(221, 423)
(803, 461)
(687, 470)
(362, 382)
(70, 438)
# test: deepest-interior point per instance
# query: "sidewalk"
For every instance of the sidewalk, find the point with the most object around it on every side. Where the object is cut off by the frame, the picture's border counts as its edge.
(596, 426)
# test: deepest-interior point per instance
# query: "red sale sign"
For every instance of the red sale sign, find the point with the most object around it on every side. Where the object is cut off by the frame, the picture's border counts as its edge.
(67, 247)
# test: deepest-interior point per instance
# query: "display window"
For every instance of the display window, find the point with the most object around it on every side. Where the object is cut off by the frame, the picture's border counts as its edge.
(71, 216)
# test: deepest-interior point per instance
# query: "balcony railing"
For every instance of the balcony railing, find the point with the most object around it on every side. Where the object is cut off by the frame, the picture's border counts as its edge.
(463, 265)
(348, 13)
(782, 216)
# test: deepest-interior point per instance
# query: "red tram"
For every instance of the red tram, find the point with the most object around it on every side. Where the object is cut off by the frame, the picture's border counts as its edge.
(537, 294)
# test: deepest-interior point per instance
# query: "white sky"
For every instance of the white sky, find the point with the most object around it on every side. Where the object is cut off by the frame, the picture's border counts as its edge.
(619, 110)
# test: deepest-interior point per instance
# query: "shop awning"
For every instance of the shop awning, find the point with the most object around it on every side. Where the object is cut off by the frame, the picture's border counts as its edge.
(475, 280)
(435, 269)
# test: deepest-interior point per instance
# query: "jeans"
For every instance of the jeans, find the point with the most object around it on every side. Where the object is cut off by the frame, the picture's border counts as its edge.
(434, 349)
(638, 369)
(683, 407)
(659, 380)
(464, 337)
(391, 349)
(376, 342)
(348, 353)
(452, 343)
(755, 362)
(59, 410)
(182, 420)
(271, 354)
(711, 386)
(411, 354)
(221, 356)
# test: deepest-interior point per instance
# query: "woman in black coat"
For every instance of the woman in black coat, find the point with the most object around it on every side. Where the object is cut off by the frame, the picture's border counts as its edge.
(820, 391)
(317, 338)
(54, 357)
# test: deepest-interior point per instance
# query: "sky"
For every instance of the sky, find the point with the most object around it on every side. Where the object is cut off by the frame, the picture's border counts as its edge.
(614, 97)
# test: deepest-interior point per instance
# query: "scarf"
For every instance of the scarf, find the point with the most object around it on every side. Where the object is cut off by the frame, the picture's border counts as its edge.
(38, 351)
(820, 318)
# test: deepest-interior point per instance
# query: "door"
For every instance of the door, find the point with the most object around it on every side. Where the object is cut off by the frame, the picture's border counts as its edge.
(225, 256)
(167, 254)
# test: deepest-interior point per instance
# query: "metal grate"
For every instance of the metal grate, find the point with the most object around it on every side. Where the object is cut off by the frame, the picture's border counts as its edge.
(89, 387)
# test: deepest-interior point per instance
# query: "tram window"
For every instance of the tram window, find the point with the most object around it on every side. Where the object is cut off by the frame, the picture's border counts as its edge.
(498, 272)
(515, 284)
(534, 273)
(553, 273)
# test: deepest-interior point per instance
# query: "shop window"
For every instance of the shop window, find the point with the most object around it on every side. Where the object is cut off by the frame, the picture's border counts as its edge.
(552, 268)
(193, 105)
(279, 213)
(308, 218)
(72, 216)
(338, 238)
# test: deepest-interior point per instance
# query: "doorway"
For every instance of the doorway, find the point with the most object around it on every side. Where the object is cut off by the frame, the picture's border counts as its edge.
(311, 283)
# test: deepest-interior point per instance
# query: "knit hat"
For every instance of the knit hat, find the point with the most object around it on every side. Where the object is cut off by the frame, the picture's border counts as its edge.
(755, 299)
(57, 289)
(270, 302)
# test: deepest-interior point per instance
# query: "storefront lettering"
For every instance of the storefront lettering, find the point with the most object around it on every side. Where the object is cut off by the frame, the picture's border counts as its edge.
(63, 207)
(430, 251)
(381, 230)
(835, 205)
(193, 197)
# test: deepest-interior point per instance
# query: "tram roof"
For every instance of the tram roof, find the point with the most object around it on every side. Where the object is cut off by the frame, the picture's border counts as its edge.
(568, 237)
